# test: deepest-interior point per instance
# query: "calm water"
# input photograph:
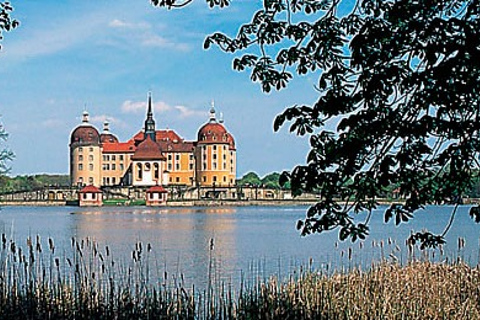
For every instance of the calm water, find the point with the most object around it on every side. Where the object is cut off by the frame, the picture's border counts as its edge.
(255, 241)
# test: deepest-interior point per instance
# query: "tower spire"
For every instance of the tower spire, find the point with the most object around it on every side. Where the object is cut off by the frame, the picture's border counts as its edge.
(212, 112)
(149, 122)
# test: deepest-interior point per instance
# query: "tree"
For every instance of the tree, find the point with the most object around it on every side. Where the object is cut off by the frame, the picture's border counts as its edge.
(6, 21)
(6, 24)
(272, 180)
(250, 179)
(6, 155)
(402, 80)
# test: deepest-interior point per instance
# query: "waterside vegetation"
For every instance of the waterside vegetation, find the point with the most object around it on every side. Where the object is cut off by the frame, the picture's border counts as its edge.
(87, 282)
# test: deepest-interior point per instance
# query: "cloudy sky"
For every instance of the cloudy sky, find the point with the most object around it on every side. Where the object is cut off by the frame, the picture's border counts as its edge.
(106, 55)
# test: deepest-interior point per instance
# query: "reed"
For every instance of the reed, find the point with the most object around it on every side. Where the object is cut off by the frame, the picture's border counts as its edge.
(86, 282)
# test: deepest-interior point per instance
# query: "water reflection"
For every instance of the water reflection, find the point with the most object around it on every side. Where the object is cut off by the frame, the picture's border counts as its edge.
(193, 241)
(223, 242)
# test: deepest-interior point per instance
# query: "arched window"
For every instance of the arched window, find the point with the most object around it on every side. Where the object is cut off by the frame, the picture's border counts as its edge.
(156, 171)
(139, 171)
(148, 166)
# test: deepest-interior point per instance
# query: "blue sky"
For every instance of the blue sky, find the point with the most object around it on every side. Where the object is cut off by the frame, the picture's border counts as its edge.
(107, 55)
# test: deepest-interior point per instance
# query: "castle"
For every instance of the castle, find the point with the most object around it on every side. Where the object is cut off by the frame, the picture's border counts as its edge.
(153, 157)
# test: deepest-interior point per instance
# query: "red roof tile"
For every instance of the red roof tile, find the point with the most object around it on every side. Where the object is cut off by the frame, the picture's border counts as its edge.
(148, 150)
(90, 189)
(120, 147)
(157, 189)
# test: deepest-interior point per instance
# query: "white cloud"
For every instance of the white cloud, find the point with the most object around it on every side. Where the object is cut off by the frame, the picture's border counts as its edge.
(186, 112)
(117, 23)
(100, 119)
(161, 42)
(143, 34)
(161, 107)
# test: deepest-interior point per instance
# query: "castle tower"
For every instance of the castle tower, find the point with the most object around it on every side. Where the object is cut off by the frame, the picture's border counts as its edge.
(85, 154)
(149, 122)
(215, 154)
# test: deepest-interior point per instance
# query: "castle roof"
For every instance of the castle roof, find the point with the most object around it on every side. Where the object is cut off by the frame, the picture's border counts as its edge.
(158, 189)
(148, 150)
(90, 189)
(120, 147)
(85, 134)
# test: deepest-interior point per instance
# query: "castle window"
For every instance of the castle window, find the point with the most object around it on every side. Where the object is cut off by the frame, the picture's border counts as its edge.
(108, 158)
(204, 157)
(190, 167)
(214, 178)
(224, 156)
(121, 166)
(204, 147)
(90, 180)
(204, 166)
(224, 166)
(113, 180)
(139, 171)
(204, 179)
(177, 166)
(108, 181)
(90, 149)
(214, 147)
(169, 167)
(214, 166)
(147, 166)
(80, 149)
(169, 156)
(121, 157)
(105, 158)
(177, 157)
(80, 158)
(191, 157)
(80, 167)
(177, 179)
(113, 166)
(156, 171)
(214, 156)
(224, 179)
(90, 158)
(113, 158)
(90, 167)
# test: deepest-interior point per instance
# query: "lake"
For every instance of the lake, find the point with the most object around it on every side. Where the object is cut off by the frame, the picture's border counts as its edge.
(234, 242)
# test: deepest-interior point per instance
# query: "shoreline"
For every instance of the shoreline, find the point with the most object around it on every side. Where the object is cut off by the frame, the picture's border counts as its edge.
(175, 203)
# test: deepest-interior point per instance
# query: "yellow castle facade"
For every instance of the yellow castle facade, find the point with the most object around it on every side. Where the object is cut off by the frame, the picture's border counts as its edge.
(153, 157)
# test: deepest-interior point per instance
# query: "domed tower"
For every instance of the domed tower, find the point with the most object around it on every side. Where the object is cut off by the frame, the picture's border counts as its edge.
(85, 154)
(107, 136)
(215, 154)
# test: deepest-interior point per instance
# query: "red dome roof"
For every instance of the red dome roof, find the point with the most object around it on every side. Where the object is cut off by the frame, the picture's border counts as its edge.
(108, 138)
(213, 132)
(86, 135)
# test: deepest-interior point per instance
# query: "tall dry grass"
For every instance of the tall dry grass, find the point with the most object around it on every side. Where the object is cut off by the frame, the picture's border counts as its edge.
(86, 282)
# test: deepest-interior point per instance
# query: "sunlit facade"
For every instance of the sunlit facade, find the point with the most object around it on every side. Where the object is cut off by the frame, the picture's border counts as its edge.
(153, 157)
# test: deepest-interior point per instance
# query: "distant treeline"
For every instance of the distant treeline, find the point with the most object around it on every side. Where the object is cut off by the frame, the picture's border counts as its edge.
(252, 179)
(32, 182)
